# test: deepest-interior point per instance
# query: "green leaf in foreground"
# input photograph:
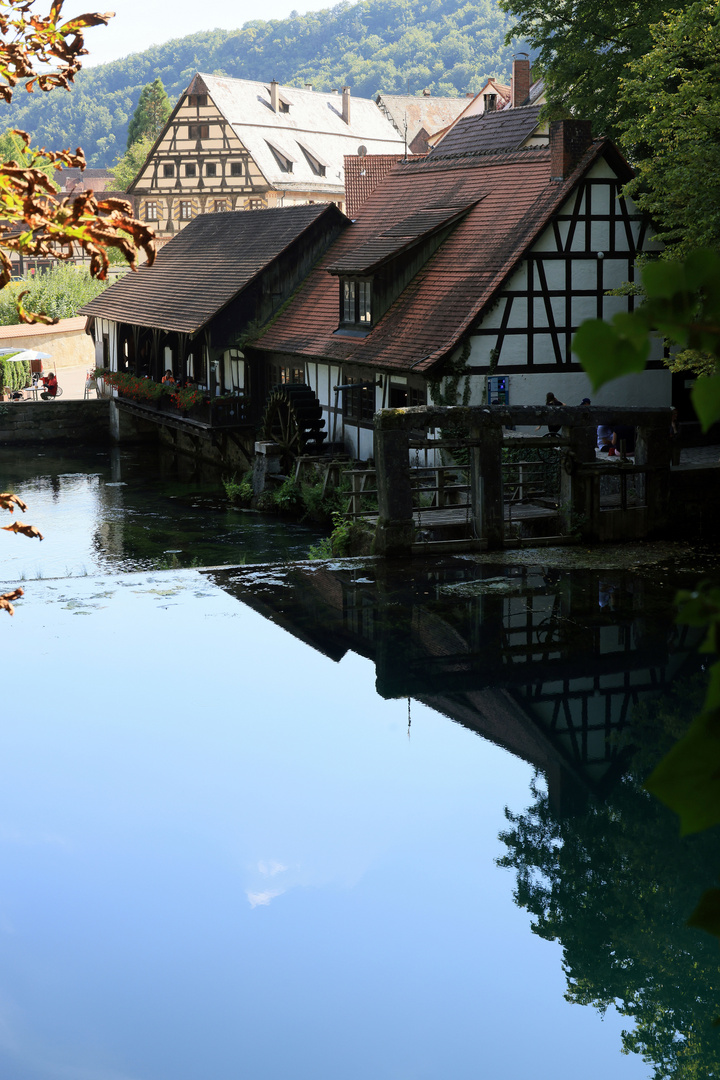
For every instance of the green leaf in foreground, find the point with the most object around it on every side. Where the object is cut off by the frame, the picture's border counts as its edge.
(706, 400)
(609, 350)
(687, 779)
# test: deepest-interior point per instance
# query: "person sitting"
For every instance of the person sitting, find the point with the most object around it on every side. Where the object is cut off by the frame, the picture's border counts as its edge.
(604, 437)
(51, 386)
(168, 377)
(623, 440)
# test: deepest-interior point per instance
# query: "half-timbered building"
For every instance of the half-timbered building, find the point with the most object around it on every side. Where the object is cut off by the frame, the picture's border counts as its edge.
(190, 312)
(463, 280)
(233, 144)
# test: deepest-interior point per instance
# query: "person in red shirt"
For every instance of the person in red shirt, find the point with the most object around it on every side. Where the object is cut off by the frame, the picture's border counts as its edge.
(51, 386)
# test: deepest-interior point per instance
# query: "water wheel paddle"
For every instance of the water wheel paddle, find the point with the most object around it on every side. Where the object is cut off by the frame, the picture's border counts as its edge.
(293, 420)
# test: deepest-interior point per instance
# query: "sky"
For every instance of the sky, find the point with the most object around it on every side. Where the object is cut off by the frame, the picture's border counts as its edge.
(138, 25)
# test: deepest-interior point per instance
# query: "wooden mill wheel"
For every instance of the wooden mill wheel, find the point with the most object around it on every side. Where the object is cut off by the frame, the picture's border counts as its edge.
(293, 420)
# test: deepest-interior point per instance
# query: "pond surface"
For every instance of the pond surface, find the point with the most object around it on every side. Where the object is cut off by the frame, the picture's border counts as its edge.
(348, 820)
(133, 509)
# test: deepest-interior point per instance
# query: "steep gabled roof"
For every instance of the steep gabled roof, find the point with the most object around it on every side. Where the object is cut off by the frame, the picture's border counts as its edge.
(431, 314)
(399, 238)
(505, 130)
(204, 267)
(423, 111)
(314, 121)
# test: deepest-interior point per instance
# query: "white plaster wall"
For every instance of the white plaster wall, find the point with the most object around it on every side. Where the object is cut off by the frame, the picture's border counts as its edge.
(650, 388)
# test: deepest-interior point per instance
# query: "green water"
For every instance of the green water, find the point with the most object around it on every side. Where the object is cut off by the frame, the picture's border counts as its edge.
(133, 509)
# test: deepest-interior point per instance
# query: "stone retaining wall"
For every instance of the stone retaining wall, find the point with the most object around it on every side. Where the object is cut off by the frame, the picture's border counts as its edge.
(54, 421)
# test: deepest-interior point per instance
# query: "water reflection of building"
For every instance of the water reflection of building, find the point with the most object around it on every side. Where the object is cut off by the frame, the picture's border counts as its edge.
(547, 664)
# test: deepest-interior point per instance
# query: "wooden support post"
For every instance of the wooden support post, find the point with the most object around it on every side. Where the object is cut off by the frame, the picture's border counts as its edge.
(653, 448)
(395, 527)
(486, 484)
(579, 494)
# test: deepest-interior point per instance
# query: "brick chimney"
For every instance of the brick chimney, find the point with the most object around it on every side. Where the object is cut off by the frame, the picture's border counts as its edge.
(346, 104)
(569, 139)
(274, 96)
(520, 79)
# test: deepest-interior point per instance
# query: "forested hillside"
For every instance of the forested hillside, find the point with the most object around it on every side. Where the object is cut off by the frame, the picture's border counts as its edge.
(376, 45)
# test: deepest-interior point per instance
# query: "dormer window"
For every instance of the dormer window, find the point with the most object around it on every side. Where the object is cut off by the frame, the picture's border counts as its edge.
(490, 102)
(317, 166)
(356, 301)
(283, 106)
(283, 160)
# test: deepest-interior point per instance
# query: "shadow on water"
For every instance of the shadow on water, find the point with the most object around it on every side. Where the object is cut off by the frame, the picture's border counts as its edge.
(585, 675)
(135, 509)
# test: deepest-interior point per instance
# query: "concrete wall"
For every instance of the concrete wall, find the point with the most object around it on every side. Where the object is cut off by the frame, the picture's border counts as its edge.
(54, 421)
(66, 342)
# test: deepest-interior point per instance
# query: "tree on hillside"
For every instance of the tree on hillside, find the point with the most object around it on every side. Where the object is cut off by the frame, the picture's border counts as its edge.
(370, 45)
(128, 166)
(670, 98)
(583, 49)
(151, 114)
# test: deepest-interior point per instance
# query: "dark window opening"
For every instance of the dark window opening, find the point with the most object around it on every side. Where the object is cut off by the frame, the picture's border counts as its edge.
(168, 170)
(284, 375)
(198, 131)
(190, 170)
(406, 397)
(284, 107)
(211, 169)
(358, 402)
(356, 301)
(236, 168)
(490, 102)
(197, 101)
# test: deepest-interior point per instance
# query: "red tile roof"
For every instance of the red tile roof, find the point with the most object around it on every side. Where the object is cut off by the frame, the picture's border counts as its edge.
(517, 198)
(362, 176)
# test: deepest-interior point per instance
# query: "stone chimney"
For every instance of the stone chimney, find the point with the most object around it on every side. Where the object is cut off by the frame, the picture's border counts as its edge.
(569, 139)
(520, 79)
(274, 96)
(346, 104)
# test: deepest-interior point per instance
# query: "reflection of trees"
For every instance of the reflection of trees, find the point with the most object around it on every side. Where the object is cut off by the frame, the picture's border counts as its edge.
(614, 885)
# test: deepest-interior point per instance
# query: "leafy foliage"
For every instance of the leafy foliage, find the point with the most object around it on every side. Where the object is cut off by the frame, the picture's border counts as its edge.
(126, 169)
(614, 885)
(683, 304)
(57, 293)
(8, 501)
(670, 102)
(149, 118)
(371, 46)
(583, 49)
(14, 375)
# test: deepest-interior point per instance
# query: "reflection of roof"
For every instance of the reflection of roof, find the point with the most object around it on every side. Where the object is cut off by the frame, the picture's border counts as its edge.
(398, 238)
(506, 130)
(425, 111)
(205, 266)
(517, 199)
(314, 120)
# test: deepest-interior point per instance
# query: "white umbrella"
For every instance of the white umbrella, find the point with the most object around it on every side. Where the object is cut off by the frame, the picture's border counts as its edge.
(26, 354)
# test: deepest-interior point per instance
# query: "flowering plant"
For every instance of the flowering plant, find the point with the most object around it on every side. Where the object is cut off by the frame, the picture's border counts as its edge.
(185, 399)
